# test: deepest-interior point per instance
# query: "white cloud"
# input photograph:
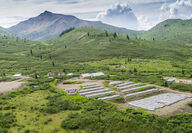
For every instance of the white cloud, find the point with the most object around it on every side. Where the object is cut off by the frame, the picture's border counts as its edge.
(9, 21)
(180, 9)
(145, 22)
(120, 15)
(148, 12)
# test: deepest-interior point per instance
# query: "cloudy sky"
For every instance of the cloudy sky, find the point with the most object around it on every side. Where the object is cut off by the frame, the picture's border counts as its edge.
(132, 14)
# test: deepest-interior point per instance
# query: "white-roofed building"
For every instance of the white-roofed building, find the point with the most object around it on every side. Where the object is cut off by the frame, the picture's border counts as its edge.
(171, 79)
(17, 76)
(70, 74)
(85, 76)
(99, 74)
(50, 75)
(61, 74)
(92, 75)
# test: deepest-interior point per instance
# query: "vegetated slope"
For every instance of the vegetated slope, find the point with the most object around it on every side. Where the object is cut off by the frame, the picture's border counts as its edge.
(49, 25)
(16, 53)
(86, 44)
(5, 32)
(171, 30)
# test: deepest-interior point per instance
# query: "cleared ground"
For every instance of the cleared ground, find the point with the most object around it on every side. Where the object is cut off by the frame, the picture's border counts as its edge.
(179, 106)
(11, 86)
(77, 86)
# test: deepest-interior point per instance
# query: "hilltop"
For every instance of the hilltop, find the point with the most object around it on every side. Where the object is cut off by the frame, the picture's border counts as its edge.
(171, 30)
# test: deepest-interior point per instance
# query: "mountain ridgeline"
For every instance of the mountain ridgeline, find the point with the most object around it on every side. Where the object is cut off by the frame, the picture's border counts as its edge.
(48, 25)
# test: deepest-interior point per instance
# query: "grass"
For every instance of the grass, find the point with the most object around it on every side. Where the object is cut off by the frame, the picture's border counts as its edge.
(117, 100)
(171, 30)
(181, 86)
(28, 115)
(111, 94)
(73, 82)
(142, 89)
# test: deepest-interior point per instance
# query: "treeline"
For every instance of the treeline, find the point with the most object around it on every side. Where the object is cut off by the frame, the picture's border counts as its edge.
(66, 31)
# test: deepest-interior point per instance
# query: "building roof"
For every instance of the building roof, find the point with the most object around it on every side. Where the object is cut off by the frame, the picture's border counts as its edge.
(171, 79)
(17, 75)
(70, 74)
(86, 75)
(97, 74)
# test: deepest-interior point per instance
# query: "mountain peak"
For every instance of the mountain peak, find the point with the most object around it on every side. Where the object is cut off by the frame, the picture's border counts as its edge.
(49, 25)
(46, 13)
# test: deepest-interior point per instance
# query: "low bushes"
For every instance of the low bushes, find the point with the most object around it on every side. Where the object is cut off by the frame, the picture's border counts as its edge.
(57, 104)
(101, 117)
(6, 121)
(181, 86)
(73, 82)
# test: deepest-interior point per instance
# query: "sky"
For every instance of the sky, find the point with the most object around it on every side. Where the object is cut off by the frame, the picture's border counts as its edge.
(131, 14)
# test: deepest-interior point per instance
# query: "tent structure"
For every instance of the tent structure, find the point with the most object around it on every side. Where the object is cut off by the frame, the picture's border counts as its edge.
(92, 75)
(70, 74)
(17, 76)
(85, 76)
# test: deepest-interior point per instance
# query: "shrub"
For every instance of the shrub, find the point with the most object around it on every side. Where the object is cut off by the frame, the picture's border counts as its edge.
(57, 104)
(181, 86)
(73, 82)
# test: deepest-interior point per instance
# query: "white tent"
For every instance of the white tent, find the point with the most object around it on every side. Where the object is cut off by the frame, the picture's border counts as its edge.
(70, 74)
(92, 75)
(86, 75)
(99, 74)
(17, 76)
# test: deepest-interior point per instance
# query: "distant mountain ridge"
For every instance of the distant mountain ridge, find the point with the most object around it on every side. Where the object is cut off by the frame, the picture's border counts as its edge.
(49, 25)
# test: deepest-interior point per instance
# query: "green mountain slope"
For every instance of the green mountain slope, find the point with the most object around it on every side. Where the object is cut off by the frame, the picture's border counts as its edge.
(171, 30)
(86, 44)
